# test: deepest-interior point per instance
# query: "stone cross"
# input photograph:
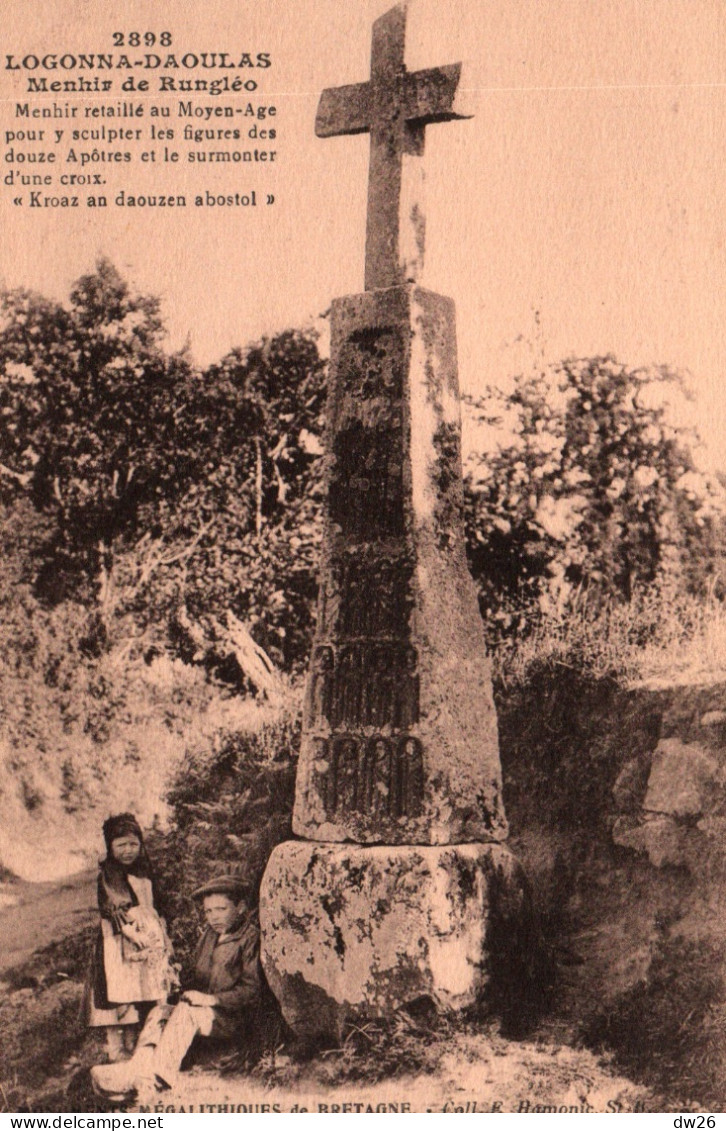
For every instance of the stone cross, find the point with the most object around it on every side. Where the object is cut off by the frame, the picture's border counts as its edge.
(401, 882)
(395, 107)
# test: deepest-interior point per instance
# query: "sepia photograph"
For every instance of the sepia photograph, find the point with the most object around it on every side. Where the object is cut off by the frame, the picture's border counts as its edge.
(362, 557)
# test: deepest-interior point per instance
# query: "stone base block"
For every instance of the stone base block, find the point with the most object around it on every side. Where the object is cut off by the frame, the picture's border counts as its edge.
(351, 932)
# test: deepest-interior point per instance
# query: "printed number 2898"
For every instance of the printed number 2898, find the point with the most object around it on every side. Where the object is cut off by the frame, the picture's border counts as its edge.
(137, 39)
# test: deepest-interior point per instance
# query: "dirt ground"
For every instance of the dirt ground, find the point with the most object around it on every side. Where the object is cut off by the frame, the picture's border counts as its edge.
(475, 1072)
(33, 916)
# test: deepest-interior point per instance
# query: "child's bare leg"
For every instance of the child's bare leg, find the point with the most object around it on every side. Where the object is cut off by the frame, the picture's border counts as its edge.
(130, 1037)
(114, 1042)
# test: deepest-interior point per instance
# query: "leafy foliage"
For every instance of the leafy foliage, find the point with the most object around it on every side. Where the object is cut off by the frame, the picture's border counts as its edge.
(231, 801)
(144, 488)
(88, 416)
(587, 485)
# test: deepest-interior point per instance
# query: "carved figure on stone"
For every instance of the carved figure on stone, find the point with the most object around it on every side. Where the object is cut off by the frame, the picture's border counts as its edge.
(407, 786)
(345, 770)
(381, 760)
(407, 713)
(394, 106)
(322, 682)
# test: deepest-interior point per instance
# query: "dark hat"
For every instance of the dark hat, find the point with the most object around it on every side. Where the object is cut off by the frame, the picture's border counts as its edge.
(229, 881)
(123, 824)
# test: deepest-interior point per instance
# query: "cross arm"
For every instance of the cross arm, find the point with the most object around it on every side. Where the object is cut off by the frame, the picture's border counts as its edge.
(436, 95)
(344, 110)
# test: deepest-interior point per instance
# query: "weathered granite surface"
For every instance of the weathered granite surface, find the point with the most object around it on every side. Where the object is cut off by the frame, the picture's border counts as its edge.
(671, 801)
(352, 932)
(399, 731)
(394, 107)
(399, 740)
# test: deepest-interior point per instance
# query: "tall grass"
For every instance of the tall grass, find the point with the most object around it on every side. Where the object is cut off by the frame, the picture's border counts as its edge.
(660, 634)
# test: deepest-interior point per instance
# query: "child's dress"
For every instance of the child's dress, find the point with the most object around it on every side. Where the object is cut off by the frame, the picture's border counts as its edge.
(132, 960)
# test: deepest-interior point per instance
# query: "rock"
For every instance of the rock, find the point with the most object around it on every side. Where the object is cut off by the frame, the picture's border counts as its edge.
(683, 781)
(352, 932)
(400, 741)
(666, 842)
(631, 784)
(663, 839)
(713, 719)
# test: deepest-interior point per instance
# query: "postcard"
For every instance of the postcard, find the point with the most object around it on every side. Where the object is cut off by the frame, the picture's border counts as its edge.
(362, 520)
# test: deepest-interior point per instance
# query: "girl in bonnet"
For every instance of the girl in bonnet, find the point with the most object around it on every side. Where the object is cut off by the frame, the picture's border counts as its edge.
(131, 967)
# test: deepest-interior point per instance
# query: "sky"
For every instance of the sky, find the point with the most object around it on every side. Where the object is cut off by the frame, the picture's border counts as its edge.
(582, 210)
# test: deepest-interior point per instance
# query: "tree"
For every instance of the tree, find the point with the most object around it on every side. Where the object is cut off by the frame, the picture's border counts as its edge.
(589, 484)
(89, 418)
(252, 512)
(186, 500)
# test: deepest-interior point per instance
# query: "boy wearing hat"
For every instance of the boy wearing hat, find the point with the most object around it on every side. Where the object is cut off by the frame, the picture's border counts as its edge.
(225, 995)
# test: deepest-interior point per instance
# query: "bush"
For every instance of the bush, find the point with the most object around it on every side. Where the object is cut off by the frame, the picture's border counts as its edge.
(587, 476)
(660, 632)
(231, 804)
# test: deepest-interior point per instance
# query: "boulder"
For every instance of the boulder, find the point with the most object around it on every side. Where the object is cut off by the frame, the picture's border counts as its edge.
(684, 780)
(351, 932)
(662, 839)
(399, 741)
(631, 784)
